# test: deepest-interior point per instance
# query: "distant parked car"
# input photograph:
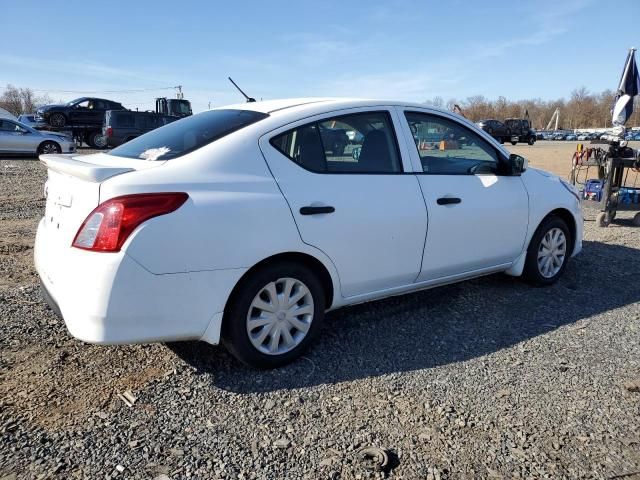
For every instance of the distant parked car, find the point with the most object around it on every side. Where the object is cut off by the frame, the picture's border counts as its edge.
(570, 136)
(81, 111)
(18, 138)
(584, 136)
(496, 129)
(120, 126)
(29, 119)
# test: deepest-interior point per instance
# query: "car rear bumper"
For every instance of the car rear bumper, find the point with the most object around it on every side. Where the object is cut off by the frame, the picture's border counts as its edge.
(109, 298)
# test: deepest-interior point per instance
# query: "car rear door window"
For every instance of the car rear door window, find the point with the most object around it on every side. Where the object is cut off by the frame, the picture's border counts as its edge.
(447, 147)
(356, 143)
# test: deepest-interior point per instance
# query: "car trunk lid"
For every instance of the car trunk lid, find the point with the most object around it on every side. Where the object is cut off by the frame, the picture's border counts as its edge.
(72, 189)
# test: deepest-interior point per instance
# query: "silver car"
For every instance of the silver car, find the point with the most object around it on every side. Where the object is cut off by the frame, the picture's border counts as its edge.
(18, 138)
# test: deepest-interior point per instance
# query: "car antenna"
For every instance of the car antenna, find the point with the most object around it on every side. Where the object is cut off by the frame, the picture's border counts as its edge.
(249, 99)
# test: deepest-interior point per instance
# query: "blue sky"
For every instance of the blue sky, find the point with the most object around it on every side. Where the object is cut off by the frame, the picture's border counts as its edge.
(409, 50)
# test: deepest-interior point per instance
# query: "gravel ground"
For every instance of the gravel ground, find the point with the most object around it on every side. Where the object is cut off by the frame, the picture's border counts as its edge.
(484, 379)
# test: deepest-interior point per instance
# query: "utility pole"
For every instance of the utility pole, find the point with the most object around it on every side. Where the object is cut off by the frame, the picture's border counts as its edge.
(179, 94)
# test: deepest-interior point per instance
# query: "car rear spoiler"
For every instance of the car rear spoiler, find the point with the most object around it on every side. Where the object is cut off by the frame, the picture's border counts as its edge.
(86, 171)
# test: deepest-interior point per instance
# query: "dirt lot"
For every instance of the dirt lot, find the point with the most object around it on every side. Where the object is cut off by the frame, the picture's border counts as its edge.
(484, 379)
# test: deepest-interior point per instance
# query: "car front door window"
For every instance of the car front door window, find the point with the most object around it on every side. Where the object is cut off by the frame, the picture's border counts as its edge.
(446, 147)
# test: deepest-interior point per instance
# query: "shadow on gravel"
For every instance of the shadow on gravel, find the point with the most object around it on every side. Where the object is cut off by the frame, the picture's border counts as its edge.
(439, 326)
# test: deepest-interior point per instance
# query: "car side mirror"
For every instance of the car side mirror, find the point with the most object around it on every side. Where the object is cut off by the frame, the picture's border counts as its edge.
(516, 164)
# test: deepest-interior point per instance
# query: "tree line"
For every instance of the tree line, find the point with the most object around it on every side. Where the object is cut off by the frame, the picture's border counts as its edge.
(582, 110)
(22, 100)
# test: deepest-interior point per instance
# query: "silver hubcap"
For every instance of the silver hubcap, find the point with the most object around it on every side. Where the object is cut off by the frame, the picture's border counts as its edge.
(49, 148)
(100, 141)
(280, 316)
(551, 252)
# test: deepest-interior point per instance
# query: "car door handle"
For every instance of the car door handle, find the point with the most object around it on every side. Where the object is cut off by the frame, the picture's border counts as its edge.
(316, 210)
(449, 200)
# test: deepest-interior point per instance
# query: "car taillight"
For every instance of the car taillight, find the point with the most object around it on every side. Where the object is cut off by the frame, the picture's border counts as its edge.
(110, 224)
(108, 132)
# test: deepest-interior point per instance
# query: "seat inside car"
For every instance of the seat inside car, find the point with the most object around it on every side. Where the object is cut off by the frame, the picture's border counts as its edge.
(375, 155)
(311, 154)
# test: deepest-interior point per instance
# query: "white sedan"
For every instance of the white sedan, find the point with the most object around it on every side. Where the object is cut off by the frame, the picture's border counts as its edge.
(241, 225)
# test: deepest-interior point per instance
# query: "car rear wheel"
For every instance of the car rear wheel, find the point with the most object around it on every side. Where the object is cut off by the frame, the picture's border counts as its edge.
(274, 315)
(49, 147)
(514, 143)
(97, 140)
(57, 120)
(548, 252)
(531, 141)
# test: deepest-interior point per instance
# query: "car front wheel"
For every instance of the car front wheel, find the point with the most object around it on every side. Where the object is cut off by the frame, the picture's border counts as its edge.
(548, 252)
(49, 147)
(274, 315)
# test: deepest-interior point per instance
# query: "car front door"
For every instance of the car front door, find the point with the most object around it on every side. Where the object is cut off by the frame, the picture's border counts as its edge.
(15, 138)
(478, 218)
(342, 175)
(96, 112)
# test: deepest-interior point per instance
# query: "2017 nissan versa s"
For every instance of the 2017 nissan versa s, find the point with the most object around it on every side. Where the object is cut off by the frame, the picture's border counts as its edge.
(242, 225)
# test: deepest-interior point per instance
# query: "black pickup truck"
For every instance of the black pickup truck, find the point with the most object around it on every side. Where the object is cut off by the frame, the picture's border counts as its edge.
(120, 126)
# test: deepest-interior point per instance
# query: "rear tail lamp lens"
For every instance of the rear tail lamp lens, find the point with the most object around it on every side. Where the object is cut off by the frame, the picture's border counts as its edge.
(110, 224)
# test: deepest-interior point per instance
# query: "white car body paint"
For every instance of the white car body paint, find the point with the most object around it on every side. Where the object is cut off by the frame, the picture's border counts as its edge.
(174, 274)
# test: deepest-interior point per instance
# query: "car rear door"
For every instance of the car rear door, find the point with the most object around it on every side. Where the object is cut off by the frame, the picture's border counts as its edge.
(478, 218)
(355, 202)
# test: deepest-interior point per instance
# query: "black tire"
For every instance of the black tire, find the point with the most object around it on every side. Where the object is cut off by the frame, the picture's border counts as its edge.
(514, 143)
(532, 140)
(531, 273)
(636, 220)
(501, 140)
(234, 326)
(95, 139)
(49, 147)
(57, 120)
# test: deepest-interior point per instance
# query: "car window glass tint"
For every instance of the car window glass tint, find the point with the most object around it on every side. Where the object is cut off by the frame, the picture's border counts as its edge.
(186, 135)
(449, 148)
(125, 120)
(356, 143)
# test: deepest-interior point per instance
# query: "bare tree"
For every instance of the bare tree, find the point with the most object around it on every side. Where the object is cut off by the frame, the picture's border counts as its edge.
(21, 100)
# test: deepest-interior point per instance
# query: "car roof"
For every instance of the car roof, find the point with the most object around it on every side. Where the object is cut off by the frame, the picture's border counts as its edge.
(307, 106)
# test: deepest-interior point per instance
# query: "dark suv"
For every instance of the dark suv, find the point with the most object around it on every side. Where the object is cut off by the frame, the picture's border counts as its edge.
(120, 126)
(521, 130)
(79, 112)
(496, 129)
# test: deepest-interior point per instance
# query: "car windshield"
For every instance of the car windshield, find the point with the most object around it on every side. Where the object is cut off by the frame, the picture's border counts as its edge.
(186, 135)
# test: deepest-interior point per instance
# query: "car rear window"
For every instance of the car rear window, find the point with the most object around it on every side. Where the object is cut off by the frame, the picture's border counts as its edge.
(186, 135)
